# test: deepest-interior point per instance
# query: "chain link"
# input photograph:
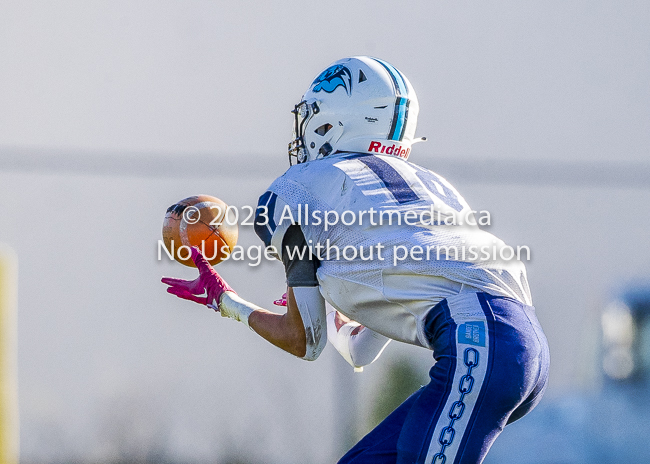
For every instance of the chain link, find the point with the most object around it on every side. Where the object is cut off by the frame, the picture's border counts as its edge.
(470, 357)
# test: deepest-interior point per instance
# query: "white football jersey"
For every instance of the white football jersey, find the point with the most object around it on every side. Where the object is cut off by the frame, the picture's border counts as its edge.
(393, 240)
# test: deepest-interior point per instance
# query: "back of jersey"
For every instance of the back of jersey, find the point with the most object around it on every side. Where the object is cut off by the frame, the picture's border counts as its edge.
(393, 239)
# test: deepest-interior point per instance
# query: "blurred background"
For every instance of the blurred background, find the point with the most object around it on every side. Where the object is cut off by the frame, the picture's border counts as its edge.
(538, 112)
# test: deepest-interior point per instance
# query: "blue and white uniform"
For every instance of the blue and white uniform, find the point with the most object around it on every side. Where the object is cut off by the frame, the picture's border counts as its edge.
(397, 249)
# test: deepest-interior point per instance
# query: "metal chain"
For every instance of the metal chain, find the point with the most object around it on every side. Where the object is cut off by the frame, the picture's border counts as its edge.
(458, 407)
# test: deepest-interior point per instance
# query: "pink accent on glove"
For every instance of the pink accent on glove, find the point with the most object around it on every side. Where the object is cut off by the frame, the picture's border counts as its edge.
(205, 289)
(282, 301)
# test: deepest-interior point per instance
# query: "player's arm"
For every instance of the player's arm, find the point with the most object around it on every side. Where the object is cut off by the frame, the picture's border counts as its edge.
(300, 331)
(288, 241)
(282, 330)
(358, 345)
(288, 331)
(304, 295)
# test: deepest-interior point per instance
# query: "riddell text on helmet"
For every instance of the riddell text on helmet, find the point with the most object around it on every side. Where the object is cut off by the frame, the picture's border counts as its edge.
(393, 149)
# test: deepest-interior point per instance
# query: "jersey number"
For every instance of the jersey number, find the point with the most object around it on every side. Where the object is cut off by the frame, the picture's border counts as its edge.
(401, 190)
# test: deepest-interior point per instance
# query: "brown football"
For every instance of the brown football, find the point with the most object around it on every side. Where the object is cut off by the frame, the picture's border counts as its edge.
(202, 221)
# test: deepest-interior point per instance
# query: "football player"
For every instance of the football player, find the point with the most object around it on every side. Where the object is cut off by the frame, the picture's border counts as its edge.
(396, 250)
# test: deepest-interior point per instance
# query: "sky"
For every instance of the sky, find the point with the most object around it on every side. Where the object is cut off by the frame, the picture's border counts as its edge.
(111, 365)
(507, 79)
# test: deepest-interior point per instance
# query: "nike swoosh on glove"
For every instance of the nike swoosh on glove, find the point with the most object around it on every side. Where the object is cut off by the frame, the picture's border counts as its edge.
(282, 301)
(206, 289)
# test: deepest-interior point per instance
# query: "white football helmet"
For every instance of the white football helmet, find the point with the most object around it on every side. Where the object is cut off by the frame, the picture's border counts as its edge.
(358, 104)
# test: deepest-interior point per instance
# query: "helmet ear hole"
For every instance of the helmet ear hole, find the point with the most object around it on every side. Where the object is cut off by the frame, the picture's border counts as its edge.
(362, 76)
(324, 129)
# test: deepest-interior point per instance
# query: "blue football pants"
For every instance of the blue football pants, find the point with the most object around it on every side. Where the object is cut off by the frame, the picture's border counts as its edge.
(492, 363)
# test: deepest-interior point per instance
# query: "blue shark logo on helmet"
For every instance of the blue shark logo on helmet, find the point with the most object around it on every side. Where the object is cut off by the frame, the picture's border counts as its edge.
(332, 78)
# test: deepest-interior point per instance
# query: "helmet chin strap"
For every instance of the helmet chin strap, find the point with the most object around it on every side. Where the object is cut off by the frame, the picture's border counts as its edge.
(329, 146)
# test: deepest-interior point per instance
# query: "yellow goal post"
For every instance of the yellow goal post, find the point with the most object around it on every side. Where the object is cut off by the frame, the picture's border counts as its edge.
(9, 447)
